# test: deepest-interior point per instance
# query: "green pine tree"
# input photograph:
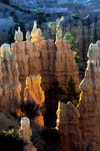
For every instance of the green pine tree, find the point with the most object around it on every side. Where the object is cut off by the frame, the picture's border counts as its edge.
(73, 43)
(55, 92)
(71, 95)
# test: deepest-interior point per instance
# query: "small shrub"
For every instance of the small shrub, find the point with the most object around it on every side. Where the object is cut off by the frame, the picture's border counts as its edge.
(76, 16)
(77, 58)
(10, 140)
(75, 102)
(30, 108)
(38, 10)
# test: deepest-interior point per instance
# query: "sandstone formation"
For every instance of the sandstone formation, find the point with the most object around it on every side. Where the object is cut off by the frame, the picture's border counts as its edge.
(34, 92)
(25, 133)
(10, 86)
(89, 106)
(44, 57)
(82, 124)
(68, 125)
(85, 31)
(18, 35)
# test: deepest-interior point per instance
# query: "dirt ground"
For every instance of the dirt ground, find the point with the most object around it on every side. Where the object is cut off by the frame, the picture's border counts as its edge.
(7, 121)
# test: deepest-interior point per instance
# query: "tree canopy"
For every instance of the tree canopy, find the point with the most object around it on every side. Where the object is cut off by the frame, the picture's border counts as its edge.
(72, 95)
(73, 43)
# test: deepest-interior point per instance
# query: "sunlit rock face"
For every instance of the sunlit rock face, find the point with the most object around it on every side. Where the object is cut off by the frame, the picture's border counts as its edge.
(68, 125)
(89, 105)
(44, 57)
(34, 92)
(85, 119)
(10, 86)
(25, 133)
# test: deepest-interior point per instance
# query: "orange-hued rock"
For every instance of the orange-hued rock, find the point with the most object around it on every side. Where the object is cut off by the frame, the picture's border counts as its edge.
(10, 86)
(34, 92)
(65, 64)
(44, 57)
(68, 125)
(84, 121)
(89, 104)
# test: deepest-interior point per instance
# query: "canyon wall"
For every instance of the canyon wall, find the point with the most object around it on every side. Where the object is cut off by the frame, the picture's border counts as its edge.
(85, 31)
(82, 124)
(89, 104)
(44, 57)
(10, 87)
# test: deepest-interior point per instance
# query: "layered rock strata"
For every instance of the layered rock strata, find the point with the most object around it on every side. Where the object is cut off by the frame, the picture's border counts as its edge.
(84, 30)
(51, 61)
(10, 86)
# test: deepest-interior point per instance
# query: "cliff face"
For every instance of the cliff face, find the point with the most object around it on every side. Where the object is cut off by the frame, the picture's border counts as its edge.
(45, 58)
(89, 105)
(68, 125)
(84, 30)
(85, 119)
(10, 86)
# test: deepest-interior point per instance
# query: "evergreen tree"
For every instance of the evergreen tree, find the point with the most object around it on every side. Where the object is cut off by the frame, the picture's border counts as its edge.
(71, 95)
(73, 43)
(55, 92)
(52, 97)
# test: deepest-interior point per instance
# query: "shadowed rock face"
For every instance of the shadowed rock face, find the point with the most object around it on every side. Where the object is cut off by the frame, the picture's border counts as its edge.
(87, 114)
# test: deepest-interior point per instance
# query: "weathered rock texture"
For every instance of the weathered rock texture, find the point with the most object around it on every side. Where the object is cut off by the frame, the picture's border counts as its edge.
(45, 58)
(89, 105)
(82, 124)
(68, 125)
(25, 133)
(10, 86)
(84, 30)
(34, 92)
